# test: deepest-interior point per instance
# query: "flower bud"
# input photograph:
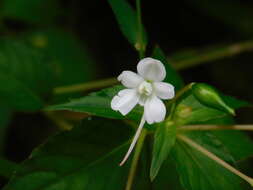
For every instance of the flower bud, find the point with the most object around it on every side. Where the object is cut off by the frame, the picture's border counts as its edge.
(183, 111)
(209, 96)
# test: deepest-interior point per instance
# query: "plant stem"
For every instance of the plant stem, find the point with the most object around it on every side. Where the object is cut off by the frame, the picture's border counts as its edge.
(178, 65)
(213, 54)
(85, 86)
(180, 93)
(215, 158)
(59, 122)
(216, 127)
(183, 90)
(135, 159)
(140, 44)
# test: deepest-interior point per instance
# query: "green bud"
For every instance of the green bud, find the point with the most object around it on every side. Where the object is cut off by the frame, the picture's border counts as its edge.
(209, 96)
(183, 111)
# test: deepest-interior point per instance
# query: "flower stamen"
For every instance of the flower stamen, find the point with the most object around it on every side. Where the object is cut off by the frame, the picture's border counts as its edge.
(145, 88)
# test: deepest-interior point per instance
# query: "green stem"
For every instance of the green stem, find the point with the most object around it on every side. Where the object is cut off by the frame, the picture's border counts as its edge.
(135, 160)
(86, 86)
(198, 59)
(141, 45)
(213, 54)
(180, 93)
(63, 125)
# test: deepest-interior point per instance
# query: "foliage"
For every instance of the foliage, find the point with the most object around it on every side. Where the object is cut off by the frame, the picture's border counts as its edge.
(44, 57)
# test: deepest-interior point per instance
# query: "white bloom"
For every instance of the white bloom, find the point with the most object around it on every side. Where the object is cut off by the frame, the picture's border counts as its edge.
(146, 89)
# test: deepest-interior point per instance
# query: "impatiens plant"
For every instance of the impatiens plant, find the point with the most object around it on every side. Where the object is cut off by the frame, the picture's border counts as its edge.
(144, 130)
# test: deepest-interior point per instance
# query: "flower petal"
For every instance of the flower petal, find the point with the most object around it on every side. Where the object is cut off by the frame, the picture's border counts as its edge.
(164, 90)
(130, 79)
(142, 100)
(125, 101)
(151, 69)
(154, 110)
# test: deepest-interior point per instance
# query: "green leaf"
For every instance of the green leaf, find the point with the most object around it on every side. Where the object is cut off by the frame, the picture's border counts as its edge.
(31, 10)
(83, 158)
(99, 104)
(167, 177)
(27, 65)
(238, 143)
(239, 151)
(209, 141)
(164, 140)
(17, 95)
(171, 75)
(127, 20)
(198, 172)
(190, 111)
(71, 58)
(24, 76)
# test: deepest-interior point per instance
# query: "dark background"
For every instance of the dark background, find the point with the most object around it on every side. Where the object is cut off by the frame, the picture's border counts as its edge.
(175, 25)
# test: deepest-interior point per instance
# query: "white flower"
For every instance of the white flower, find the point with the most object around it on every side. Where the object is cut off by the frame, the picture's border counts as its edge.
(146, 89)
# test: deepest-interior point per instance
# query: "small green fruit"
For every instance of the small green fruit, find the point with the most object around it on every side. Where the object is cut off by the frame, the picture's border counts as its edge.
(209, 96)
